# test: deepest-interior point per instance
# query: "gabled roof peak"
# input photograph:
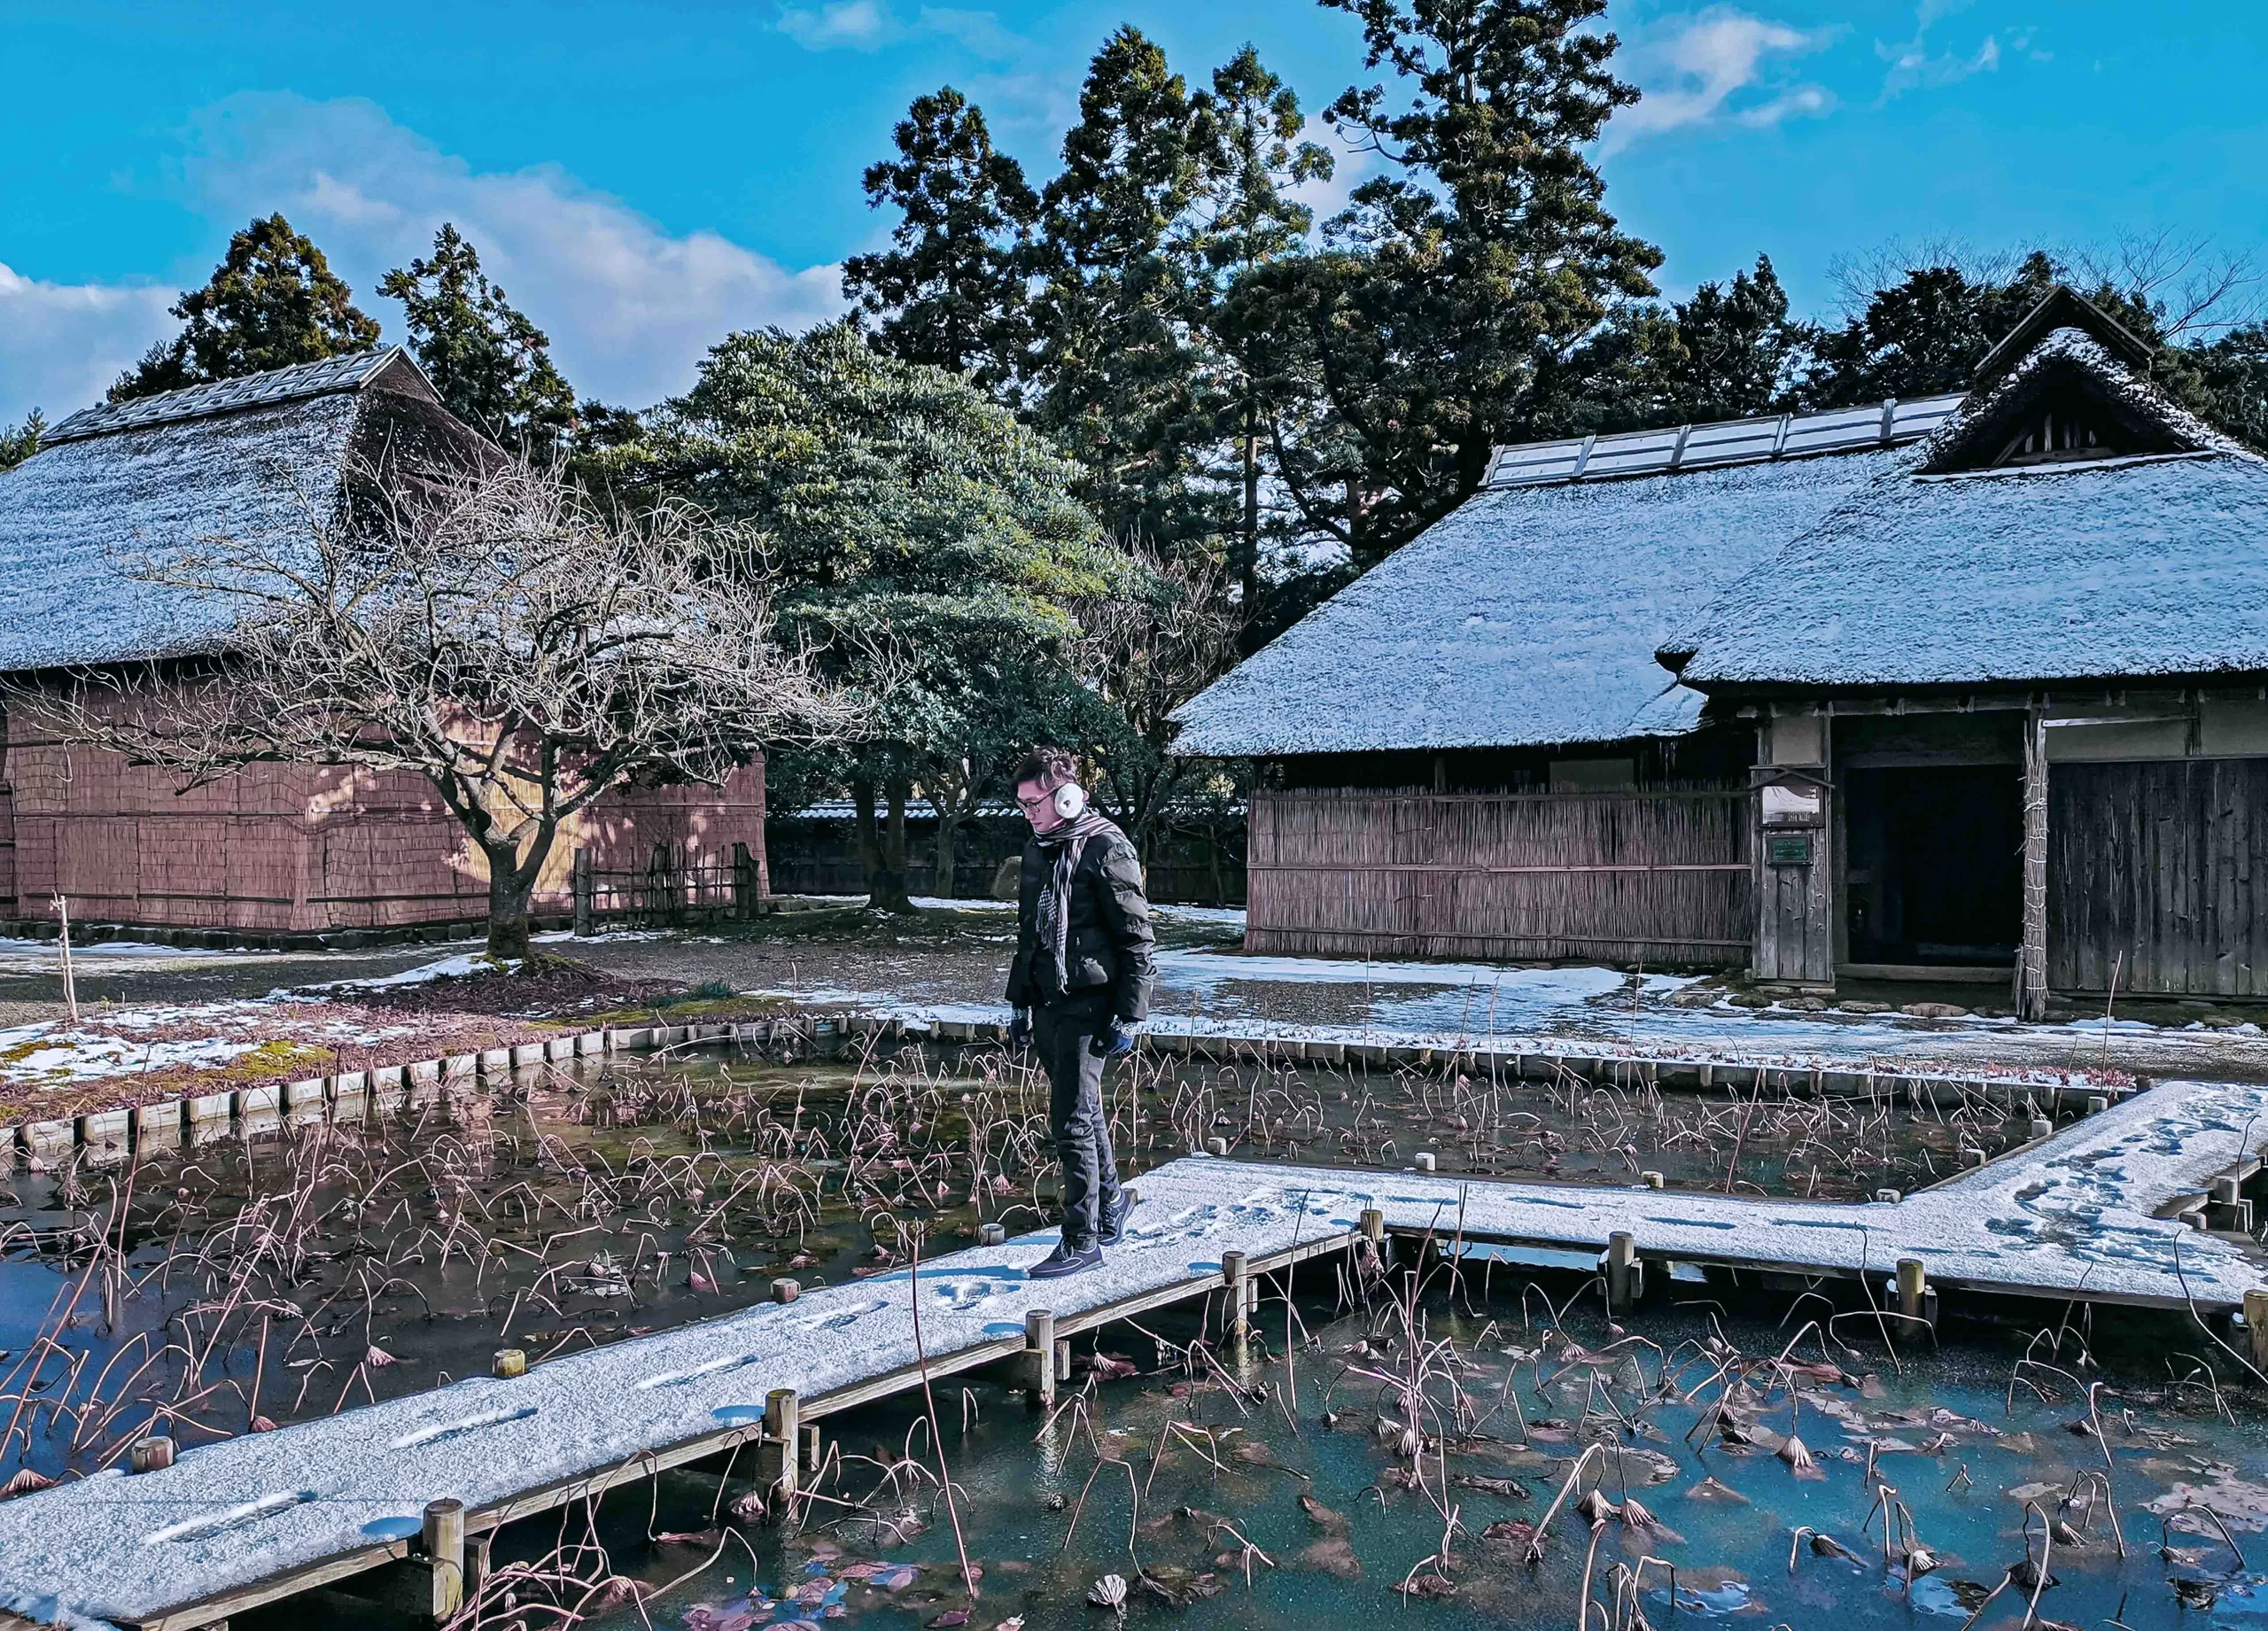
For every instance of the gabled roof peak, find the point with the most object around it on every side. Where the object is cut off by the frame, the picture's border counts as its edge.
(2062, 308)
(326, 378)
(2066, 377)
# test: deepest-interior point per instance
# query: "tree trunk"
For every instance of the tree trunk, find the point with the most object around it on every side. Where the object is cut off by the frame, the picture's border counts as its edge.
(948, 841)
(881, 856)
(1248, 539)
(510, 886)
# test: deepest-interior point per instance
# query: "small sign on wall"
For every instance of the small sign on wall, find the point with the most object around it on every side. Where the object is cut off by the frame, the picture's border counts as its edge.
(1788, 850)
(1794, 802)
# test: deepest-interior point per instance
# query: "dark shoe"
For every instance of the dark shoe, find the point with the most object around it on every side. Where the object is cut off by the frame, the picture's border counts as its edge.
(1063, 1261)
(1113, 1223)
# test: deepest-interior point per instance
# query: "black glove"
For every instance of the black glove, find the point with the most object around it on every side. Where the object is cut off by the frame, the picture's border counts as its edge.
(1111, 1044)
(1020, 1029)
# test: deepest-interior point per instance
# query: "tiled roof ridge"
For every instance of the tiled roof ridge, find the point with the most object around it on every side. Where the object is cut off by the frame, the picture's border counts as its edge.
(1718, 443)
(325, 377)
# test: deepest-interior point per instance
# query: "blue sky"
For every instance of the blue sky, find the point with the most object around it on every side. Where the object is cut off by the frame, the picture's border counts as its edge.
(643, 177)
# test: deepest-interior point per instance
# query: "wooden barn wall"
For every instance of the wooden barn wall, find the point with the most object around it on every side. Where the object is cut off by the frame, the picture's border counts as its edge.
(299, 849)
(2160, 870)
(1658, 878)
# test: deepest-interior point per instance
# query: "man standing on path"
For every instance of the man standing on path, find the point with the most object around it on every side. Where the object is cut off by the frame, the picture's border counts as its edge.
(1084, 966)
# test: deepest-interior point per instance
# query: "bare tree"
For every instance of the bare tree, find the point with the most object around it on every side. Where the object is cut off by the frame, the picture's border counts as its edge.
(1148, 652)
(494, 630)
(2197, 286)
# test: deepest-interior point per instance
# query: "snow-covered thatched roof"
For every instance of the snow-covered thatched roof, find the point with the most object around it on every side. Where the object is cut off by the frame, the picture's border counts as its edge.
(1531, 614)
(241, 459)
(2150, 561)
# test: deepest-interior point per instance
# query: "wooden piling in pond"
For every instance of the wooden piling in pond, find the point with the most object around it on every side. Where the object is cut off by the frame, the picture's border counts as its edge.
(1040, 1357)
(782, 1448)
(444, 1546)
(1622, 1271)
(1236, 1283)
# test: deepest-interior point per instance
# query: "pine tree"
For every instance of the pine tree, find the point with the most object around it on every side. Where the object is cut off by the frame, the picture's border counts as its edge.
(1246, 219)
(932, 556)
(491, 365)
(1925, 334)
(952, 292)
(1484, 248)
(1738, 354)
(19, 442)
(1120, 360)
(272, 302)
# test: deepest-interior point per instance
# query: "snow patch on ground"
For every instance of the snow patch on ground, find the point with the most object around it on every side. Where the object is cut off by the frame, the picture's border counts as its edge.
(86, 958)
(57, 1054)
(65, 1058)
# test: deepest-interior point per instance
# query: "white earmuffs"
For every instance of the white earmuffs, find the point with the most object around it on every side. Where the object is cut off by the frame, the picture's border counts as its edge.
(1070, 801)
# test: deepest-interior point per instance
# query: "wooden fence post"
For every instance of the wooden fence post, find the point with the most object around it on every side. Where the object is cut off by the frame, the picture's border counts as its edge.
(584, 907)
(746, 898)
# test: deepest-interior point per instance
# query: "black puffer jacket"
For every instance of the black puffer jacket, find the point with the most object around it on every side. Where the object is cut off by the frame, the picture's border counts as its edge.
(1109, 943)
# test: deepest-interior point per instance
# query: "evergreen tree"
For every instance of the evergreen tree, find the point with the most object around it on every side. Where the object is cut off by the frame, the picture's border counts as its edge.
(1246, 219)
(953, 290)
(19, 442)
(933, 557)
(1737, 354)
(1120, 359)
(491, 365)
(2231, 387)
(1485, 247)
(272, 302)
(1925, 334)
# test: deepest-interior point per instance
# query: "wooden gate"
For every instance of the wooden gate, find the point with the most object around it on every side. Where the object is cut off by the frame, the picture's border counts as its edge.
(1657, 878)
(2159, 871)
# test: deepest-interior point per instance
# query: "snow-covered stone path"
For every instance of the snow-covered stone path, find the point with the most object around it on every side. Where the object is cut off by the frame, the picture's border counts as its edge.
(2070, 1217)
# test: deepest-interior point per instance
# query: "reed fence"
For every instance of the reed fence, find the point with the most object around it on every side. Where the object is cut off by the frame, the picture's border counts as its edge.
(1658, 878)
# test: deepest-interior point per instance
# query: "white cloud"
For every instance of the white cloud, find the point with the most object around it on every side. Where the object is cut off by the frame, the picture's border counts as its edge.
(1693, 70)
(979, 31)
(62, 343)
(1351, 166)
(630, 308)
(1913, 65)
(858, 24)
(867, 26)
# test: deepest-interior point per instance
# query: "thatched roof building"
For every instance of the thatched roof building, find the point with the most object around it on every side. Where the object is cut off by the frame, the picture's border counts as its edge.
(2142, 559)
(1974, 688)
(288, 851)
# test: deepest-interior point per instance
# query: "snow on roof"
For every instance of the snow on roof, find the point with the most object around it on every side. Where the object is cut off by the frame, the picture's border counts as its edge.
(245, 459)
(1528, 617)
(350, 372)
(2155, 564)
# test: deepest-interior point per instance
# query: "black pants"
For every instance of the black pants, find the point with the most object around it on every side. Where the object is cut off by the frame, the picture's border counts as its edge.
(1060, 1033)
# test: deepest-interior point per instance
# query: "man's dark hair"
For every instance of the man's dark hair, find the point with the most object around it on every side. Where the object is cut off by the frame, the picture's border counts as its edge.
(1045, 764)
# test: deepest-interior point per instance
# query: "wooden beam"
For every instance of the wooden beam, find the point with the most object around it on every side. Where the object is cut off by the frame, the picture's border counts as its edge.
(2031, 957)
